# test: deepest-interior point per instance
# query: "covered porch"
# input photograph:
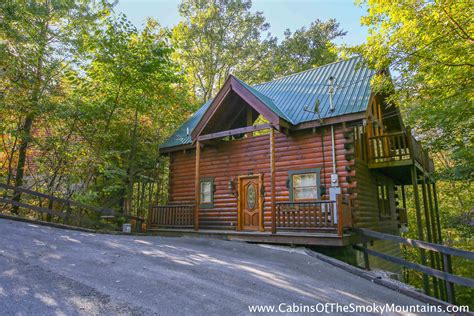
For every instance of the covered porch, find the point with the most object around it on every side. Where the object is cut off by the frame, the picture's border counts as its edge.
(324, 223)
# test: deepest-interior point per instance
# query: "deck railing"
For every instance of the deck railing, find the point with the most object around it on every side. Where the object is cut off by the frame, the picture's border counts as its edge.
(398, 146)
(172, 216)
(307, 216)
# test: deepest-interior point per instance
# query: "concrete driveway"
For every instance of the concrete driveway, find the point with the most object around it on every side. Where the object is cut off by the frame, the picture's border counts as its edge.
(46, 270)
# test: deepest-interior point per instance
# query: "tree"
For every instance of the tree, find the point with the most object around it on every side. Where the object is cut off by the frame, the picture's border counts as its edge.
(131, 96)
(38, 44)
(308, 48)
(215, 38)
(428, 45)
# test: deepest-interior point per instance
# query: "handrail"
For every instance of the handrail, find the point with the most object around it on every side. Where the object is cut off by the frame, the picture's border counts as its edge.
(55, 198)
(65, 216)
(388, 135)
(334, 214)
(417, 243)
(397, 146)
(445, 251)
(309, 202)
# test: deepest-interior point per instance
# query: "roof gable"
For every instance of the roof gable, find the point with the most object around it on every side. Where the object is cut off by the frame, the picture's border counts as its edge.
(287, 97)
(231, 89)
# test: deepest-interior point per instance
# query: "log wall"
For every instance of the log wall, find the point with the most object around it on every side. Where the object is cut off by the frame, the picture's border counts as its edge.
(227, 160)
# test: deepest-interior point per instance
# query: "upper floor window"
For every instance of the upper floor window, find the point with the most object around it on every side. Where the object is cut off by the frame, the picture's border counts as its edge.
(304, 185)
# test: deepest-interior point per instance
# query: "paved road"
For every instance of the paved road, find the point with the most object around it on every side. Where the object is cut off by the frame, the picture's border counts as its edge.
(45, 270)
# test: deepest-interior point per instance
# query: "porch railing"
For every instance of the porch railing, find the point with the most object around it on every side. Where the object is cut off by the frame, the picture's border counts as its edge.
(398, 147)
(307, 216)
(389, 147)
(172, 216)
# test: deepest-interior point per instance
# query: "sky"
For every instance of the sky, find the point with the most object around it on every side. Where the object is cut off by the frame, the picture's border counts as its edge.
(281, 14)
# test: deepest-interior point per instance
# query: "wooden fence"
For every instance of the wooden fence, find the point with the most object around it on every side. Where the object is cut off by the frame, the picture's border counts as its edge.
(446, 275)
(67, 211)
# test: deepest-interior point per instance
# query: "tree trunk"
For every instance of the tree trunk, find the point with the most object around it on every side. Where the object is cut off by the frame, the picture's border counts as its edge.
(20, 169)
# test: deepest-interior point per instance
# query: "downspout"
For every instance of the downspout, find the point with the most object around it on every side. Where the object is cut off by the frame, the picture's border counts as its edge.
(333, 145)
(334, 178)
(334, 190)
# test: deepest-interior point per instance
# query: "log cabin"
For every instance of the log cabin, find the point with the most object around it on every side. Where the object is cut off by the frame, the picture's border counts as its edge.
(303, 159)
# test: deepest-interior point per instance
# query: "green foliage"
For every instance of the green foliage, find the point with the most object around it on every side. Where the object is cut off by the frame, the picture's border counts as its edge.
(308, 48)
(217, 38)
(428, 46)
(87, 98)
(457, 231)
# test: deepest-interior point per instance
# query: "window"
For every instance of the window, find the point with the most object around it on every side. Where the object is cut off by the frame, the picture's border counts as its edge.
(304, 185)
(207, 192)
(383, 201)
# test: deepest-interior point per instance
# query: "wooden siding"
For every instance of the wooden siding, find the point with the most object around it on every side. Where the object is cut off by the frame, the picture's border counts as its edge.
(228, 160)
(365, 205)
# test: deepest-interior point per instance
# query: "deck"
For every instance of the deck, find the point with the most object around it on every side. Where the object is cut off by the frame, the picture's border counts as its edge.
(324, 223)
(293, 238)
(396, 153)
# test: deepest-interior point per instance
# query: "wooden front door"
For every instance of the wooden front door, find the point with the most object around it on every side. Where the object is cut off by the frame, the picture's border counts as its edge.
(250, 203)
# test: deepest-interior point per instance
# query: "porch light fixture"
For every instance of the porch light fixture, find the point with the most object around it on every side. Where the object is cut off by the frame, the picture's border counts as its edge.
(231, 186)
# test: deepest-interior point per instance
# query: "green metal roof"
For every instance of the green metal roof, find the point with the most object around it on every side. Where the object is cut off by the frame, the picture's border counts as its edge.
(268, 101)
(288, 96)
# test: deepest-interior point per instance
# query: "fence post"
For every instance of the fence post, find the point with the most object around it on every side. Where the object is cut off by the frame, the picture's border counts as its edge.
(449, 285)
(366, 257)
(68, 211)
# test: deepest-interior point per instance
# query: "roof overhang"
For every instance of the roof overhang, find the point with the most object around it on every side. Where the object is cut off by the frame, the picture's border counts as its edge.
(232, 84)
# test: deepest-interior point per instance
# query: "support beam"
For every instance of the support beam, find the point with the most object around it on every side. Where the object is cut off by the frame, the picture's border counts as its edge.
(428, 232)
(404, 197)
(438, 266)
(449, 288)
(272, 179)
(197, 188)
(436, 209)
(236, 131)
(249, 120)
(414, 179)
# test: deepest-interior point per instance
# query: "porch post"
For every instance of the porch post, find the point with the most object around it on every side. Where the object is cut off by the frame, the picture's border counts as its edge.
(197, 197)
(419, 222)
(272, 178)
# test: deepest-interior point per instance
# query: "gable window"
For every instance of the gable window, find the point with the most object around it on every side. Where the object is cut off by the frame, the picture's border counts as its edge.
(304, 185)
(383, 201)
(206, 188)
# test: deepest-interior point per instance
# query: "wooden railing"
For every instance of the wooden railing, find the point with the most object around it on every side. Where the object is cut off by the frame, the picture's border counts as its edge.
(444, 289)
(307, 216)
(171, 216)
(398, 146)
(63, 210)
(389, 147)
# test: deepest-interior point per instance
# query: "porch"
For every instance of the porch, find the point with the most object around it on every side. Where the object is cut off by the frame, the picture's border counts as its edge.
(395, 154)
(323, 223)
